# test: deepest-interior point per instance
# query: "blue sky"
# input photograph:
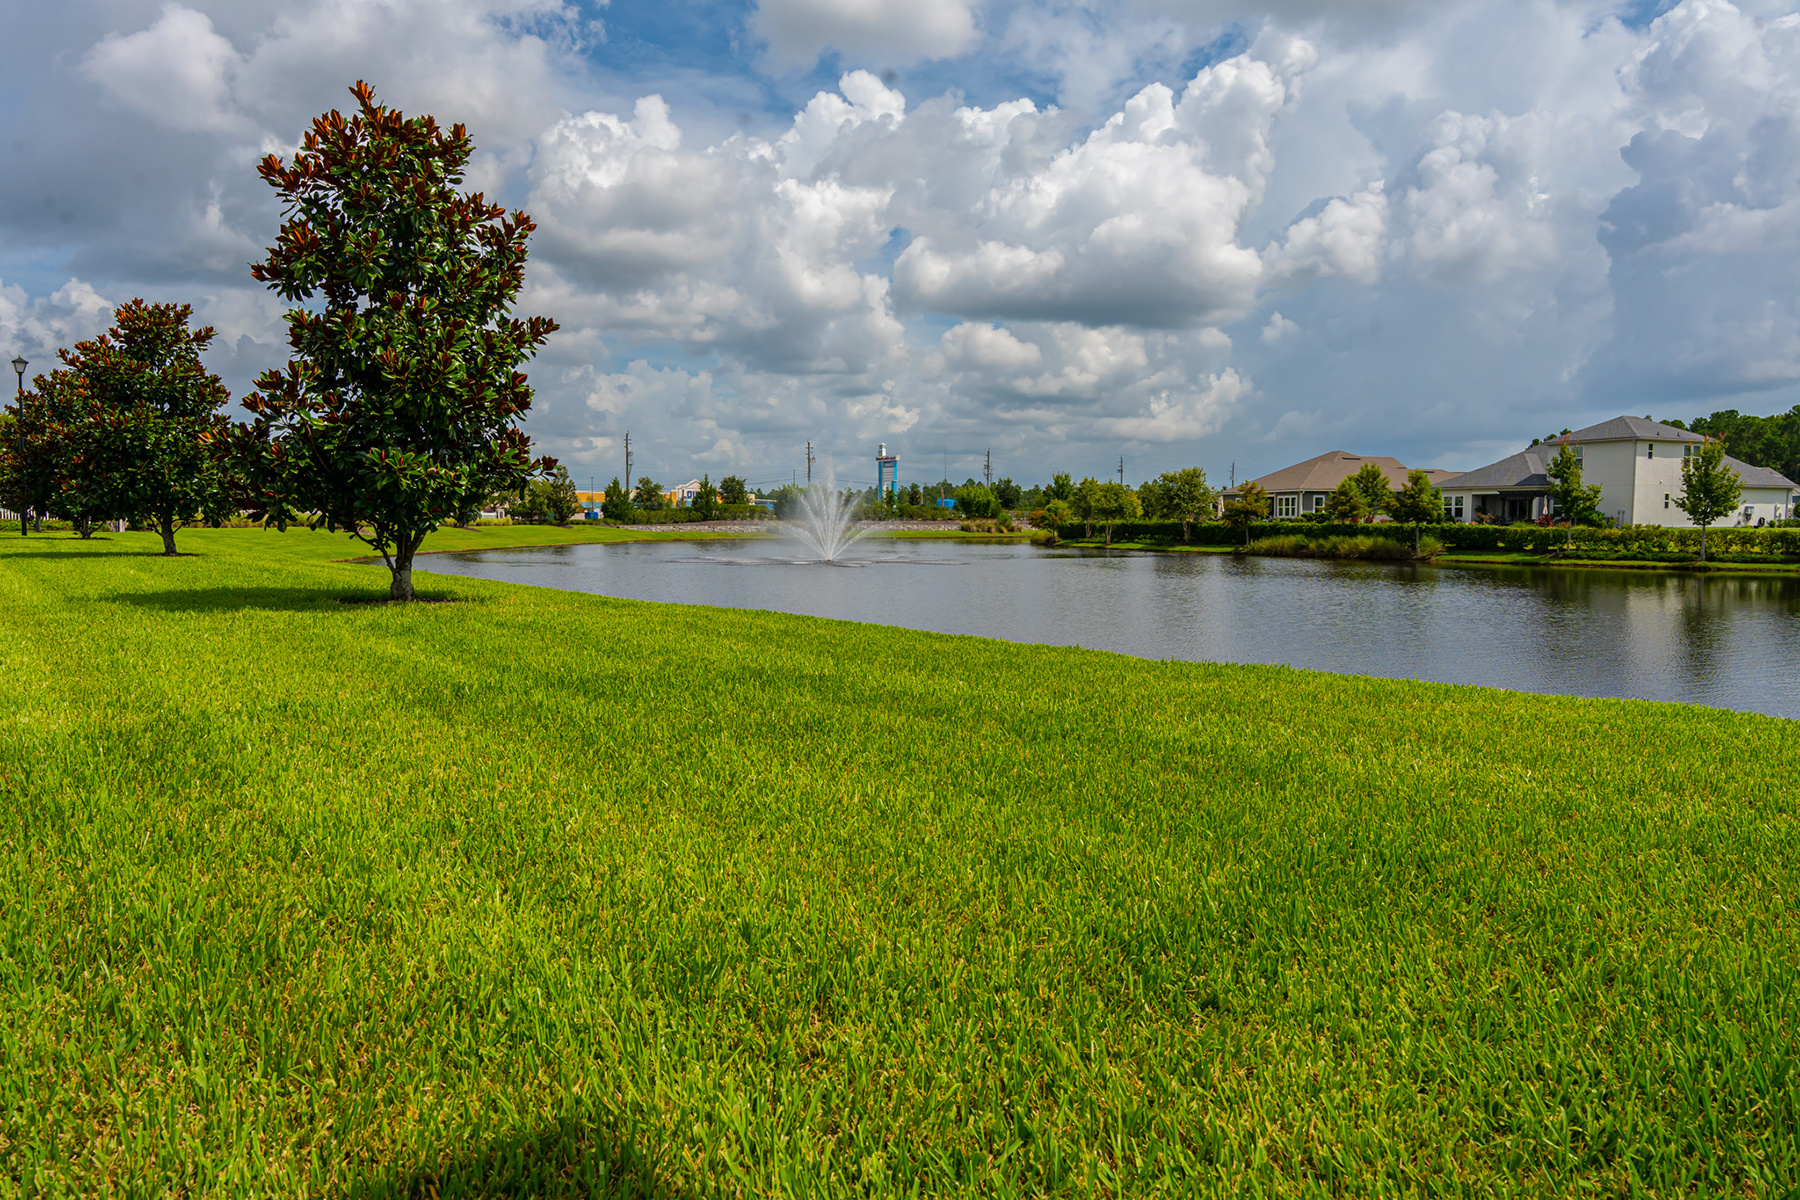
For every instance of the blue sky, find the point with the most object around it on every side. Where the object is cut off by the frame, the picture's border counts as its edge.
(1188, 232)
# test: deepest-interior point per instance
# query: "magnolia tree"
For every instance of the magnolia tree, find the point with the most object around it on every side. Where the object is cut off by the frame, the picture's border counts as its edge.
(400, 405)
(132, 425)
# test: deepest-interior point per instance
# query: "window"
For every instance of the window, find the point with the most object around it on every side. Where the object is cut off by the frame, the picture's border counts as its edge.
(1651, 453)
(1287, 506)
(1578, 454)
(1665, 499)
(1453, 507)
(1318, 503)
(1687, 452)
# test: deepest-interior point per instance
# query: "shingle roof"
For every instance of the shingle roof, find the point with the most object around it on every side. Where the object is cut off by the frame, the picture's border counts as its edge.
(1521, 471)
(1627, 429)
(1760, 477)
(1326, 471)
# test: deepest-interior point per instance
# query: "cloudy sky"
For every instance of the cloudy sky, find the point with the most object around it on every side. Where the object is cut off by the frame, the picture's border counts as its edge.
(1182, 231)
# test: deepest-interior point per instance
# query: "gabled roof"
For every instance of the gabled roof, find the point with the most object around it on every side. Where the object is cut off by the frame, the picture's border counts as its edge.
(1633, 429)
(1521, 472)
(1325, 472)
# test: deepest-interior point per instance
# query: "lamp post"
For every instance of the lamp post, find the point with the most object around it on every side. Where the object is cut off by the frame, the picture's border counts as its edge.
(18, 365)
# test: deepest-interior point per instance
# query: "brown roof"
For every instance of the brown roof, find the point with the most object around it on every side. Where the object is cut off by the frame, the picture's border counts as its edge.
(1325, 472)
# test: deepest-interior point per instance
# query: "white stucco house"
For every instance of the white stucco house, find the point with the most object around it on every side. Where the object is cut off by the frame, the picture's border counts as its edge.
(1636, 462)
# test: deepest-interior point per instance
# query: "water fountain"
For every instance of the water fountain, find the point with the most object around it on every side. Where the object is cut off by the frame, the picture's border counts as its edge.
(828, 524)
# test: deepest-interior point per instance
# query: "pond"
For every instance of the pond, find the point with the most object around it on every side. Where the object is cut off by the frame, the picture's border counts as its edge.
(1727, 641)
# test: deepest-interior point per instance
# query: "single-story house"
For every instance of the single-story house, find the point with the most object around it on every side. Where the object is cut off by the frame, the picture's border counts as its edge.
(1636, 462)
(1305, 486)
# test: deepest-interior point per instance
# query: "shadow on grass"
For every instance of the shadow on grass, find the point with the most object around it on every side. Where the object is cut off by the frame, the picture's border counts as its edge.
(565, 1158)
(92, 554)
(229, 599)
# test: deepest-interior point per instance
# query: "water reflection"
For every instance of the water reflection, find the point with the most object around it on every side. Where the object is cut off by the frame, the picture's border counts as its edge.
(1726, 641)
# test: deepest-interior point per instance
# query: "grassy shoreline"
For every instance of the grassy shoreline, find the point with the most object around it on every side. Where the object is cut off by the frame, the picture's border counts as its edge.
(543, 893)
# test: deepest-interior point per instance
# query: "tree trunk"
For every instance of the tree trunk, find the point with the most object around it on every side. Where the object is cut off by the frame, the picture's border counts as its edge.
(1418, 536)
(402, 587)
(168, 533)
(1703, 543)
(1186, 527)
(24, 522)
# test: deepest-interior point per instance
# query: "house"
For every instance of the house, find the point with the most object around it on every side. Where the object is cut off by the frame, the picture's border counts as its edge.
(1305, 486)
(1636, 462)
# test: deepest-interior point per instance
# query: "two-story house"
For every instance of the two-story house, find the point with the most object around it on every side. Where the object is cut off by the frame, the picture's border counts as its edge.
(1636, 462)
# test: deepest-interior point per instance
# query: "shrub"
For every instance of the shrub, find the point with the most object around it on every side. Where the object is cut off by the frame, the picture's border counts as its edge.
(1368, 546)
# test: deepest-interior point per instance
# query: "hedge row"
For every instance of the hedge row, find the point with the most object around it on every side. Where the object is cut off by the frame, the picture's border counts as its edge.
(1636, 539)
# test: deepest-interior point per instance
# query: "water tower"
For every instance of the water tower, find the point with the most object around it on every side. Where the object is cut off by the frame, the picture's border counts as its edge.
(887, 471)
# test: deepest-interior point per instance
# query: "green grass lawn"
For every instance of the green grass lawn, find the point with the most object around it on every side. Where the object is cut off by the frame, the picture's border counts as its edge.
(545, 894)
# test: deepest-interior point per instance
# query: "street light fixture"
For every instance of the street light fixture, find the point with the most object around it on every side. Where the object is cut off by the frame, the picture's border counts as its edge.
(18, 365)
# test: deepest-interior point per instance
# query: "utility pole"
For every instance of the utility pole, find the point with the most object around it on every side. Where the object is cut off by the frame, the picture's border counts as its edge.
(809, 462)
(988, 469)
(1234, 472)
(628, 462)
(1121, 469)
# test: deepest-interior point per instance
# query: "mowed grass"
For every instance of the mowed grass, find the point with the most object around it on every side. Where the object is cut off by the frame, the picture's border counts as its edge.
(542, 894)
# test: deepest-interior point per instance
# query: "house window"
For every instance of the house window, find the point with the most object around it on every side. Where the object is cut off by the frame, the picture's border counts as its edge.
(1665, 499)
(1687, 452)
(1287, 506)
(1651, 453)
(1578, 454)
(1318, 503)
(1453, 507)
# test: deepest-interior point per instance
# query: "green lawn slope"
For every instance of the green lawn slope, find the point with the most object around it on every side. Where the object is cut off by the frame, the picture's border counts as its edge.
(539, 894)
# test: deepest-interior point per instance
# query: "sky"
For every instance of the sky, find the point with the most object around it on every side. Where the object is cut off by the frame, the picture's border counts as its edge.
(1061, 233)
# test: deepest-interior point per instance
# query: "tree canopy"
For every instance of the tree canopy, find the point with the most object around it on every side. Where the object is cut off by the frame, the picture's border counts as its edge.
(1416, 503)
(403, 395)
(1251, 504)
(1178, 495)
(1575, 502)
(1710, 488)
(733, 490)
(1372, 482)
(132, 425)
(1347, 502)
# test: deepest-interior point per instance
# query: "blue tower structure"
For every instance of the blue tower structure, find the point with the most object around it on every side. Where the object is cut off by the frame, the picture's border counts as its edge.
(887, 472)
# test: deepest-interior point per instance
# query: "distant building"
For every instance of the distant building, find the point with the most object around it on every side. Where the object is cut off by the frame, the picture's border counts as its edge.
(1305, 486)
(1636, 462)
(683, 494)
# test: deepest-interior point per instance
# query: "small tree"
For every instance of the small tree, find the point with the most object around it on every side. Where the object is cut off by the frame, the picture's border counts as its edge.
(649, 494)
(132, 425)
(1060, 488)
(403, 395)
(733, 490)
(1185, 495)
(1250, 505)
(1416, 503)
(1710, 487)
(1347, 504)
(1008, 493)
(615, 504)
(561, 501)
(1373, 485)
(976, 500)
(1575, 502)
(706, 499)
(1086, 496)
(1114, 502)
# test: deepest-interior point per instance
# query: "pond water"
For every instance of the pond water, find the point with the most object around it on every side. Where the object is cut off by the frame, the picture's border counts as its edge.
(1727, 641)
